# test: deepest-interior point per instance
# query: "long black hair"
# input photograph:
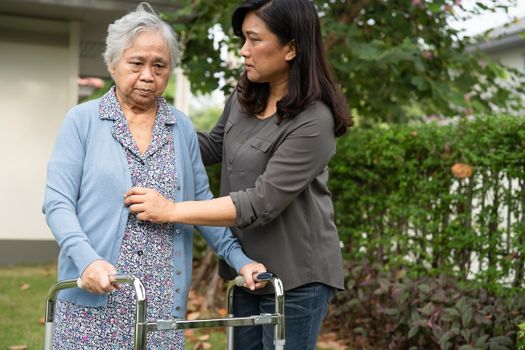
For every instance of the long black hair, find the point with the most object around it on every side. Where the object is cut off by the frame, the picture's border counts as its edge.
(309, 78)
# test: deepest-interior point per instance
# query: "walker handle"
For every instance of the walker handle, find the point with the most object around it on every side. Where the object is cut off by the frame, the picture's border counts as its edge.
(263, 276)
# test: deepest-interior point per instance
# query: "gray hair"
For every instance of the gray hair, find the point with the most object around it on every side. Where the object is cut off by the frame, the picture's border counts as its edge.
(122, 33)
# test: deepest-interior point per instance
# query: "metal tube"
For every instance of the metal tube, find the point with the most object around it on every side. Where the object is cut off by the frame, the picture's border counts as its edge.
(140, 314)
(142, 326)
(255, 320)
(48, 341)
(229, 330)
(279, 339)
(140, 309)
(279, 327)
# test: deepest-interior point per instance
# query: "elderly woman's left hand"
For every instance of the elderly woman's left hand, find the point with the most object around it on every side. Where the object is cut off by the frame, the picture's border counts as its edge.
(149, 205)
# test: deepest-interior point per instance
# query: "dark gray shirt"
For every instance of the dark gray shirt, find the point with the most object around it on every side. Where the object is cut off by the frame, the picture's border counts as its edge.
(277, 178)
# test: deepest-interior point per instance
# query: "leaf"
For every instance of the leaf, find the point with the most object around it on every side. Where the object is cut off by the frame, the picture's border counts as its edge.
(359, 330)
(437, 332)
(494, 346)
(461, 304)
(421, 85)
(466, 347)
(466, 318)
(481, 341)
(193, 315)
(222, 312)
(502, 340)
(413, 331)
(189, 333)
(465, 333)
(391, 311)
(427, 309)
(443, 341)
(18, 347)
(434, 7)
(451, 311)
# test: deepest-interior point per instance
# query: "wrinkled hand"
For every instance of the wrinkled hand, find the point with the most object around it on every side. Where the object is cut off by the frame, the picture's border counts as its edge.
(249, 272)
(98, 277)
(148, 205)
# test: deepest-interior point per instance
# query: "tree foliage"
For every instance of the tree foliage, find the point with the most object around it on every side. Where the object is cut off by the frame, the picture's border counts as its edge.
(394, 59)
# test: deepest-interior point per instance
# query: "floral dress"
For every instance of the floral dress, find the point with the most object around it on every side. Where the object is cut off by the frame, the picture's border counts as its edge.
(146, 251)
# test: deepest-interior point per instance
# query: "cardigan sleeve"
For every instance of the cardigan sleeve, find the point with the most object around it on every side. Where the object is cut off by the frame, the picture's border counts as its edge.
(64, 175)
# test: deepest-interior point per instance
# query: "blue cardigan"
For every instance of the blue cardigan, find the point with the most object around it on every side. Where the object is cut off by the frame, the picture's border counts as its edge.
(87, 178)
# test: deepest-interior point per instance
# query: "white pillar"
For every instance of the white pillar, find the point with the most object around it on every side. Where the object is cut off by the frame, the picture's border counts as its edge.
(182, 92)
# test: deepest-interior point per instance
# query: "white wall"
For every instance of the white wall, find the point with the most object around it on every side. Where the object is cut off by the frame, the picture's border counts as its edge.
(38, 72)
(514, 58)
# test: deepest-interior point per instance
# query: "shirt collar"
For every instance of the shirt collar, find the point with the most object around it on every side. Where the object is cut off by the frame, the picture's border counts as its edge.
(110, 108)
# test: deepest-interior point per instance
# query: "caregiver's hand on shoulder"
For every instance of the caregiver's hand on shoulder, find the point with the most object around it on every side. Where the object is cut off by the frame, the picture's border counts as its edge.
(148, 205)
(99, 277)
(249, 272)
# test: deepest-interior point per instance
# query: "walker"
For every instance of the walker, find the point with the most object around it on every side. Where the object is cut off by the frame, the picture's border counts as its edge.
(142, 326)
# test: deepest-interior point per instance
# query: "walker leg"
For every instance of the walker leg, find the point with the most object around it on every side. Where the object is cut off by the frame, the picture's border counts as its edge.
(229, 330)
(48, 341)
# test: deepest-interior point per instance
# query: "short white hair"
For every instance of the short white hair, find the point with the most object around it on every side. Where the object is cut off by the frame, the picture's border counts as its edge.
(122, 34)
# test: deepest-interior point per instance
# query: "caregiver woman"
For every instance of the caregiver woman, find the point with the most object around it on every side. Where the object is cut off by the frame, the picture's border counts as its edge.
(274, 139)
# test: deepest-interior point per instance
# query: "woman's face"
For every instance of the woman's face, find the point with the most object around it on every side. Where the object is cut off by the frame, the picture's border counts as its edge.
(265, 58)
(142, 73)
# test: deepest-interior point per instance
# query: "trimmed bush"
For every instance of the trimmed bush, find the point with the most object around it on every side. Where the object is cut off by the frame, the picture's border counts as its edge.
(440, 199)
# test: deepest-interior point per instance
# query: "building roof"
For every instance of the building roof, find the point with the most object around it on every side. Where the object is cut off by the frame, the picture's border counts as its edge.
(94, 17)
(505, 37)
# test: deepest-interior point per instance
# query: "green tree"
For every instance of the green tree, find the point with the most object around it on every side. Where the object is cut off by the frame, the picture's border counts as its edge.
(204, 118)
(394, 59)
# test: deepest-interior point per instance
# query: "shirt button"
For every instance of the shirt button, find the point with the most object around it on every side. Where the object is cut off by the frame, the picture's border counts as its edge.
(177, 231)
(177, 253)
(178, 272)
(140, 252)
(177, 290)
(230, 161)
(177, 308)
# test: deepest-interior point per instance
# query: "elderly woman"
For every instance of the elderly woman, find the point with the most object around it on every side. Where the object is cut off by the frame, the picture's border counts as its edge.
(129, 137)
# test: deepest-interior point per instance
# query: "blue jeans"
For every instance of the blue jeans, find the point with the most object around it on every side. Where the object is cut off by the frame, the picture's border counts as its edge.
(305, 309)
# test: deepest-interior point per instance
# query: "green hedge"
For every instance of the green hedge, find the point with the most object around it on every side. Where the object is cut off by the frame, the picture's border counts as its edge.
(397, 201)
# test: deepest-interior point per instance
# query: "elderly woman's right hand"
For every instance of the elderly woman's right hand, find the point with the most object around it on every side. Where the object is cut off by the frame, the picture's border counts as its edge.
(98, 277)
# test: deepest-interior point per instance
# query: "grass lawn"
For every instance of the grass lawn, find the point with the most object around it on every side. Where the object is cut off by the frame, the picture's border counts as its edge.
(23, 291)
